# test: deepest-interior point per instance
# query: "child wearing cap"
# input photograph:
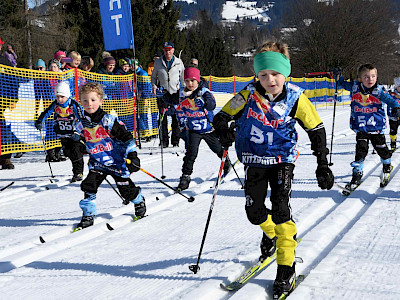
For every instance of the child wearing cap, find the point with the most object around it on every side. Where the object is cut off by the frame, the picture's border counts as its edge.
(112, 151)
(393, 118)
(195, 116)
(65, 110)
(124, 66)
(265, 113)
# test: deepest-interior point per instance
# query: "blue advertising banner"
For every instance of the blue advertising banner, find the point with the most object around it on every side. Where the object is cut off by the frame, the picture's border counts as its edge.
(116, 20)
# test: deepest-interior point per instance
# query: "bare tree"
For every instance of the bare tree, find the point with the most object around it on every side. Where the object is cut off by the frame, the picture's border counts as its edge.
(344, 33)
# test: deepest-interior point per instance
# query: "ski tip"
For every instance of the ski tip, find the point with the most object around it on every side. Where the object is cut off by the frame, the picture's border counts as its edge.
(109, 227)
(42, 240)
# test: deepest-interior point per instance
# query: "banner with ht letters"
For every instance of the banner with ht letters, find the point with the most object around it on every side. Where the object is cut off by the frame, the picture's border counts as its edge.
(116, 20)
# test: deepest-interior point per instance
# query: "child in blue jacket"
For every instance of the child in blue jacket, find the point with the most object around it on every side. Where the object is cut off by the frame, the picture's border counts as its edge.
(112, 151)
(368, 121)
(195, 114)
(66, 111)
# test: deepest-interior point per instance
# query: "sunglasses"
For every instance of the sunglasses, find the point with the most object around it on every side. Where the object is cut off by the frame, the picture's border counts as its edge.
(41, 68)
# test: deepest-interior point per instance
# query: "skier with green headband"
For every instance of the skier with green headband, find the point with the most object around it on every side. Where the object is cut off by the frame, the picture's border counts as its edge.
(265, 113)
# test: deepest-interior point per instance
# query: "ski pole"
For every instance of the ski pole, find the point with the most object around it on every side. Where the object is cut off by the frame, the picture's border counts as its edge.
(47, 155)
(158, 133)
(333, 121)
(190, 199)
(162, 146)
(195, 268)
(240, 180)
(115, 190)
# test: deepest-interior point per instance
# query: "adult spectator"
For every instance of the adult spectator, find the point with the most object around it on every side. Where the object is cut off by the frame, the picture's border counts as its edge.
(194, 62)
(87, 63)
(10, 55)
(108, 66)
(168, 76)
(150, 66)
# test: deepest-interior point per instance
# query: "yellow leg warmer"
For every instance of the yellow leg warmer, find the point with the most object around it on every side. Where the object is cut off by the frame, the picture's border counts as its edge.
(393, 138)
(285, 243)
(268, 227)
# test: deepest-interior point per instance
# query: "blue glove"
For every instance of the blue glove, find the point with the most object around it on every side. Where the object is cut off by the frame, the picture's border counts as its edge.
(38, 125)
(199, 102)
(76, 137)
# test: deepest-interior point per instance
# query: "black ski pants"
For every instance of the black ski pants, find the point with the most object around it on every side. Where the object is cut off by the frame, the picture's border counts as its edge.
(193, 149)
(378, 141)
(74, 151)
(393, 125)
(126, 187)
(279, 177)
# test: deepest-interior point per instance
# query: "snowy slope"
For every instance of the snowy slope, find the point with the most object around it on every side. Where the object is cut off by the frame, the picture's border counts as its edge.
(350, 245)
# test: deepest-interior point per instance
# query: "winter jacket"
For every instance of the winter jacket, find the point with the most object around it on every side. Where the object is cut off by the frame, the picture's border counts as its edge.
(170, 80)
(367, 106)
(267, 138)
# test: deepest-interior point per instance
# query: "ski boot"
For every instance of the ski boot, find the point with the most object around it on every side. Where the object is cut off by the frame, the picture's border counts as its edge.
(140, 209)
(77, 177)
(268, 247)
(183, 182)
(86, 221)
(354, 183)
(393, 146)
(285, 281)
(6, 164)
(387, 171)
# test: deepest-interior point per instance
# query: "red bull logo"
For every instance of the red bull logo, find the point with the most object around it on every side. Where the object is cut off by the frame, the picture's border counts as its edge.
(63, 112)
(365, 100)
(259, 116)
(189, 104)
(95, 134)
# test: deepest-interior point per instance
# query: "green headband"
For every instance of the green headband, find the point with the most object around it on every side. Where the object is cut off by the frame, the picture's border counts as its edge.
(270, 60)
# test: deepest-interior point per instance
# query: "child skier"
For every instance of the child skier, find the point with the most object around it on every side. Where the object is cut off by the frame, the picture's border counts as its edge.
(109, 145)
(368, 121)
(265, 113)
(195, 113)
(393, 118)
(66, 111)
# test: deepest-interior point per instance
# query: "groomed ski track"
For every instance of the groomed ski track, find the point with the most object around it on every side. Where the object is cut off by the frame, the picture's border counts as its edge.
(344, 239)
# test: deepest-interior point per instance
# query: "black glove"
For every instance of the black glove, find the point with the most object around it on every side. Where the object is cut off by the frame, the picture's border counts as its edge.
(38, 125)
(337, 72)
(325, 177)
(227, 137)
(134, 164)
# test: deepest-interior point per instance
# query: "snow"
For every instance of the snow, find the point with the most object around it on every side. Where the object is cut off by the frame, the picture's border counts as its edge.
(244, 9)
(350, 245)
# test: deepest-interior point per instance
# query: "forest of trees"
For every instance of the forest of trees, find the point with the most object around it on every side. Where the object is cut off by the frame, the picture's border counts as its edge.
(321, 35)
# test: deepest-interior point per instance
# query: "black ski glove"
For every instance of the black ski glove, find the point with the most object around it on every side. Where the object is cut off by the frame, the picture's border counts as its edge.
(226, 136)
(38, 125)
(134, 164)
(325, 177)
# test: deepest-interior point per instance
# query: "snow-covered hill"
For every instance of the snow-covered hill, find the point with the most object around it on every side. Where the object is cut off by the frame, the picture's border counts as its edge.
(350, 246)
